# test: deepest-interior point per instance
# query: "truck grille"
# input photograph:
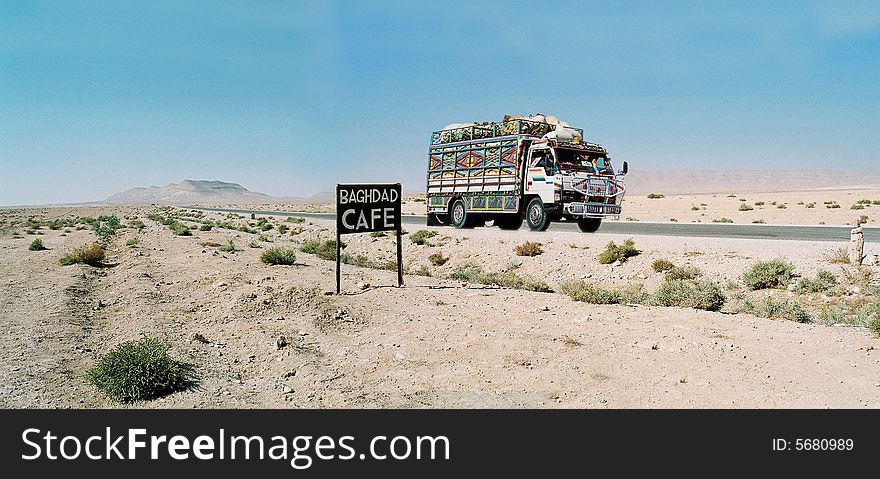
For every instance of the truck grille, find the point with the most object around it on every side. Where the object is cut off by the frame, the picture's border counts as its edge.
(591, 186)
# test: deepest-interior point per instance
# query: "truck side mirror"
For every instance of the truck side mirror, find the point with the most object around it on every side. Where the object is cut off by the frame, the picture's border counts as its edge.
(625, 168)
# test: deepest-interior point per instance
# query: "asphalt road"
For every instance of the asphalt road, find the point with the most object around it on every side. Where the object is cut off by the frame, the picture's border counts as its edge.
(706, 230)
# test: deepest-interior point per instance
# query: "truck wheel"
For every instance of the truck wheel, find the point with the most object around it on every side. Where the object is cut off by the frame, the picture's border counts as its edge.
(458, 215)
(589, 225)
(536, 215)
(509, 222)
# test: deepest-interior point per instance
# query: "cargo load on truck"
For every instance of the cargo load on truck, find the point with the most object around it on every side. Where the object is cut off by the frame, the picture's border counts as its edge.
(534, 168)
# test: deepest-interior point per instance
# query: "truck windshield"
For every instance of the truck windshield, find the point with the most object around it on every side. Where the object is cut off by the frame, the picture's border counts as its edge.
(573, 160)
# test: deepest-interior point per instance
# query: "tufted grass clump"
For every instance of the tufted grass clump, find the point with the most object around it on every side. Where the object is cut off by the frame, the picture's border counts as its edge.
(614, 252)
(91, 254)
(36, 245)
(276, 256)
(656, 196)
(140, 370)
(683, 272)
(768, 274)
(420, 237)
(661, 265)
(783, 309)
(588, 293)
(698, 295)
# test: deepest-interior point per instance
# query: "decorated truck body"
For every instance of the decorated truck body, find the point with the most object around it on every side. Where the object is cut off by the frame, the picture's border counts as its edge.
(520, 169)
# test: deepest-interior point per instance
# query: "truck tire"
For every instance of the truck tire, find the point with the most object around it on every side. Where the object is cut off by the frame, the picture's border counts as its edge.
(458, 215)
(589, 225)
(509, 222)
(536, 215)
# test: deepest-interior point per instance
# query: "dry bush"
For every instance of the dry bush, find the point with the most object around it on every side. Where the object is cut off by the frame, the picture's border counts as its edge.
(437, 259)
(91, 254)
(529, 248)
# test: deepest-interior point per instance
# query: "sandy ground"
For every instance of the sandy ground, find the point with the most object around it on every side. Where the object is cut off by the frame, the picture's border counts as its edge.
(434, 343)
(780, 208)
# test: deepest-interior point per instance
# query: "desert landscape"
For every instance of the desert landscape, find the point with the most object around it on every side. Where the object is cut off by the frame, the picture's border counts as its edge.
(486, 318)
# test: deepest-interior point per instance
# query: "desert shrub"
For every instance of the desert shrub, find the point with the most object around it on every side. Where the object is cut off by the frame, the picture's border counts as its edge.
(759, 203)
(832, 206)
(810, 205)
(294, 219)
(437, 259)
(209, 244)
(745, 207)
(783, 309)
(782, 206)
(620, 253)
(36, 245)
(91, 254)
(422, 271)
(758, 222)
(179, 228)
(529, 248)
(254, 244)
(420, 237)
(282, 229)
(722, 220)
(656, 196)
(263, 238)
(469, 272)
(863, 219)
(105, 226)
(660, 265)
(283, 256)
(473, 273)
(377, 234)
(321, 249)
(698, 295)
(229, 247)
(857, 207)
(359, 260)
(132, 242)
(136, 224)
(206, 227)
(140, 370)
(874, 325)
(768, 274)
(824, 281)
(683, 272)
(588, 293)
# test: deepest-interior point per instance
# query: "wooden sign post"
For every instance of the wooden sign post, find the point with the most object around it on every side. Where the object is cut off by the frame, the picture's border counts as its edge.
(362, 208)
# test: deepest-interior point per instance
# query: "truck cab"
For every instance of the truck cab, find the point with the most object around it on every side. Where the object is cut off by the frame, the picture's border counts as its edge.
(573, 180)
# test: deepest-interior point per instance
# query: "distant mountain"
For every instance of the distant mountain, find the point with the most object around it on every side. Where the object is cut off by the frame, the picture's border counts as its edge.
(205, 192)
(740, 181)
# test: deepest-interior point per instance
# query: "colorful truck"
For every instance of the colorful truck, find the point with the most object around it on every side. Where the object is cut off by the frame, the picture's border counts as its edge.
(520, 169)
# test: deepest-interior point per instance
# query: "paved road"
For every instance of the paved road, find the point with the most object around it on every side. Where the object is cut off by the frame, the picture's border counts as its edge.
(710, 230)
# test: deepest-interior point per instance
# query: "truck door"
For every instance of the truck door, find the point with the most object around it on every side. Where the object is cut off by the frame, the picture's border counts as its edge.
(540, 172)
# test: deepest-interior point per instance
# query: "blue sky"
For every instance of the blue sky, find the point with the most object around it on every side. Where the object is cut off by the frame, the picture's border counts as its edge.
(289, 98)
